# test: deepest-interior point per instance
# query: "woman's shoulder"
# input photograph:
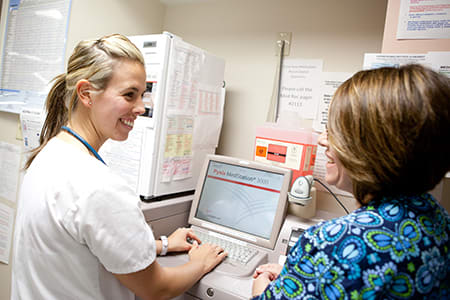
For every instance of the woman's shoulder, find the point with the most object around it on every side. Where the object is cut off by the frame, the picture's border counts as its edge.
(77, 171)
(413, 207)
(394, 237)
(390, 216)
(395, 209)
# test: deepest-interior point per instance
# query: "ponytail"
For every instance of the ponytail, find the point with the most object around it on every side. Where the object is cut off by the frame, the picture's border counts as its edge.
(57, 115)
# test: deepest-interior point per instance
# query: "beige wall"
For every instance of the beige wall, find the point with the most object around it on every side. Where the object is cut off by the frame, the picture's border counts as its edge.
(245, 32)
(92, 19)
(88, 19)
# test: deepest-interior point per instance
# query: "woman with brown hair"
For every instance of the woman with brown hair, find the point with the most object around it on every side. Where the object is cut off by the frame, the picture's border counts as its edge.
(388, 143)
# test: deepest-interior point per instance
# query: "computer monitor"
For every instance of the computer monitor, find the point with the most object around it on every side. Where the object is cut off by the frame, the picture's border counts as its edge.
(242, 199)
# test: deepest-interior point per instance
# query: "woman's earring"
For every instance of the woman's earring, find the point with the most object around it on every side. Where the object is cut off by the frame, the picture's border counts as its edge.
(90, 102)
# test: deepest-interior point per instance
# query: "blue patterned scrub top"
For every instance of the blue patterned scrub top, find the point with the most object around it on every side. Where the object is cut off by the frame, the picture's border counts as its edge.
(390, 249)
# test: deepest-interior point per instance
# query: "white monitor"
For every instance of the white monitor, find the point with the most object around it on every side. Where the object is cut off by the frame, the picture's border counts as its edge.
(242, 199)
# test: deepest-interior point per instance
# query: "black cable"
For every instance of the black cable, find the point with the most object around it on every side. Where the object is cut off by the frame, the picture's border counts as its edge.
(315, 179)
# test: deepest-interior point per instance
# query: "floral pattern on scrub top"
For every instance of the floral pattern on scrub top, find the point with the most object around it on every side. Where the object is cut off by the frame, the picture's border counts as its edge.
(396, 248)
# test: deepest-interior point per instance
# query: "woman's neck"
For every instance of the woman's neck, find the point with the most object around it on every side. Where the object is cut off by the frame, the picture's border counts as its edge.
(87, 132)
(70, 139)
(91, 150)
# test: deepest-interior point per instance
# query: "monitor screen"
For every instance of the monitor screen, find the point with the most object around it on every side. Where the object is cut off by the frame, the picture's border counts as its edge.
(240, 198)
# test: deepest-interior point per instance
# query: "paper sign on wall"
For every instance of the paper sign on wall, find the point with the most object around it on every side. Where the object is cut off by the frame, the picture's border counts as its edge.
(300, 87)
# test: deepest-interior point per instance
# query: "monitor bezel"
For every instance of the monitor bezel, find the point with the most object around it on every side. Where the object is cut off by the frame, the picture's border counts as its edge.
(243, 236)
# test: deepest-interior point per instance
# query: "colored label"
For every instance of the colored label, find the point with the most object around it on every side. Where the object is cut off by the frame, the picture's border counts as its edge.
(261, 151)
(277, 153)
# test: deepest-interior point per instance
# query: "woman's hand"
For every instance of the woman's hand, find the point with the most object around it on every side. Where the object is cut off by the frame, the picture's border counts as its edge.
(207, 255)
(263, 275)
(260, 284)
(273, 269)
(178, 240)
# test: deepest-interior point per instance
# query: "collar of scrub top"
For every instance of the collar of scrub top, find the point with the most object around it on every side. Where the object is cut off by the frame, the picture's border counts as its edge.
(78, 137)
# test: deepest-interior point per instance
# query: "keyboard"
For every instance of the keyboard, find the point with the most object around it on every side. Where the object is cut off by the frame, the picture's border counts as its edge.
(242, 258)
(237, 250)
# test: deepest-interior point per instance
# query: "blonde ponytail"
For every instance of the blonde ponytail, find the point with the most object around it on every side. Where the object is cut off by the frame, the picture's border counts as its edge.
(56, 115)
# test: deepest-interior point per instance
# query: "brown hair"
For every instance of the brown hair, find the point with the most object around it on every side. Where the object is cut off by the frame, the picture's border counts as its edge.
(92, 60)
(390, 130)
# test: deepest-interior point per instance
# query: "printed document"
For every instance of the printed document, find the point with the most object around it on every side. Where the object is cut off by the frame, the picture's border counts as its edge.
(330, 82)
(6, 228)
(379, 60)
(9, 170)
(424, 19)
(300, 87)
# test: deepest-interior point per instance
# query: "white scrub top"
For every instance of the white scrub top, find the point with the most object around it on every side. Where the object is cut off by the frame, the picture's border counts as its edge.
(77, 223)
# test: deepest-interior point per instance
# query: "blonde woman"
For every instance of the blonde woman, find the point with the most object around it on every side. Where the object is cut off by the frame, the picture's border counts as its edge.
(388, 143)
(80, 233)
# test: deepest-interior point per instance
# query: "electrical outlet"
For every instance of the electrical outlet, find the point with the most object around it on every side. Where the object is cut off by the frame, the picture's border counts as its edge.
(286, 37)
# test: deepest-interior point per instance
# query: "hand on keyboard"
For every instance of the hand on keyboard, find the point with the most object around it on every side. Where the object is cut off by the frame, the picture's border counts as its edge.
(236, 252)
(178, 240)
(242, 259)
(206, 254)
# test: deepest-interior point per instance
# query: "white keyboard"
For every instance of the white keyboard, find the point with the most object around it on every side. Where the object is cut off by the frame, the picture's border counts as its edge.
(237, 250)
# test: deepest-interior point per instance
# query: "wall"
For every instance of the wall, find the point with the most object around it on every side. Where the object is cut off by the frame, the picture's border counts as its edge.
(88, 19)
(245, 32)
(92, 19)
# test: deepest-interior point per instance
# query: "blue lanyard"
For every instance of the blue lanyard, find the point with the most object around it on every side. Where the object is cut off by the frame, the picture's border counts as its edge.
(84, 143)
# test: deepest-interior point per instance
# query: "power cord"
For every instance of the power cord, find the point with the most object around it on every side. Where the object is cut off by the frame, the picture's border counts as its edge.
(315, 179)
